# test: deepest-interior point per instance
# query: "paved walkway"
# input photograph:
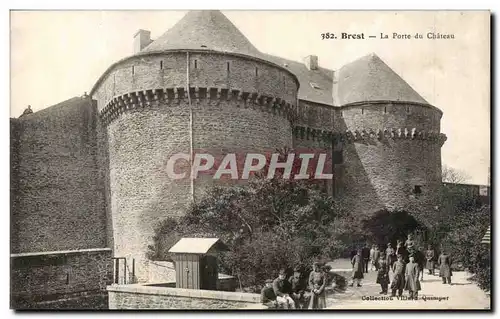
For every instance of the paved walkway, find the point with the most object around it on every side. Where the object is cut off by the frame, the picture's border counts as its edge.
(462, 294)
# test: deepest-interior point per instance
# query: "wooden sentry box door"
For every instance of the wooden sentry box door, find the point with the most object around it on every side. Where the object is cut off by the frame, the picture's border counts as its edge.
(209, 272)
(187, 271)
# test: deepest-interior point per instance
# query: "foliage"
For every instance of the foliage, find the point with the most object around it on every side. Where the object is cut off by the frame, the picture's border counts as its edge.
(279, 223)
(464, 244)
(268, 225)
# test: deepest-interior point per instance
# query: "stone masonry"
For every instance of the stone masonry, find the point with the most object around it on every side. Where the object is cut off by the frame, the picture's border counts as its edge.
(91, 173)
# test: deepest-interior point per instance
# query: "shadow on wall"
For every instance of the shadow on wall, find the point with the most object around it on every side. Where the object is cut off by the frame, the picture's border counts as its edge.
(357, 190)
(387, 227)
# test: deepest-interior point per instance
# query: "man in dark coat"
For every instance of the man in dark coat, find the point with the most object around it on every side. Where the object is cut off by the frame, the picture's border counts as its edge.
(420, 260)
(401, 250)
(353, 253)
(267, 295)
(383, 273)
(375, 257)
(357, 268)
(299, 286)
(365, 254)
(444, 262)
(410, 243)
(282, 289)
(398, 282)
(389, 252)
(430, 256)
(412, 284)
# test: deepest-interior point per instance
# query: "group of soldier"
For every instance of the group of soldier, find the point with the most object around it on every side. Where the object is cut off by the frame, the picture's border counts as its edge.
(400, 268)
(397, 268)
(297, 292)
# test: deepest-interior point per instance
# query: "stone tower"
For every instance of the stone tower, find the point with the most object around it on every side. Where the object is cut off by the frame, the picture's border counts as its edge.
(392, 144)
(200, 87)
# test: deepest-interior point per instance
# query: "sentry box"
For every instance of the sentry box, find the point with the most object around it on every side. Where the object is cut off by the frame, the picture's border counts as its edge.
(196, 262)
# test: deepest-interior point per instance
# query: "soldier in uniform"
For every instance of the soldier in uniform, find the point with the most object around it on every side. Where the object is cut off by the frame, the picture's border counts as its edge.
(389, 252)
(282, 289)
(375, 257)
(299, 286)
(357, 268)
(444, 262)
(267, 295)
(410, 243)
(412, 284)
(383, 273)
(420, 260)
(317, 284)
(398, 283)
(430, 256)
(365, 254)
(401, 250)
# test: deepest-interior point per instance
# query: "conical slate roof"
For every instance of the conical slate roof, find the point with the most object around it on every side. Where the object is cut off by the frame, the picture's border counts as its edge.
(370, 79)
(209, 30)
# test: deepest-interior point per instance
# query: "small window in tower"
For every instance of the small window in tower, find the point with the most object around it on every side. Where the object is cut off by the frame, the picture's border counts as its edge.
(228, 67)
(256, 71)
(407, 109)
(341, 113)
(133, 70)
(161, 65)
(417, 190)
(338, 157)
(67, 279)
(362, 110)
(315, 86)
(195, 64)
(385, 109)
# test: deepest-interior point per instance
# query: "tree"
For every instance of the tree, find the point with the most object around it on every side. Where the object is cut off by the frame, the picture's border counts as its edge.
(454, 176)
(464, 243)
(268, 225)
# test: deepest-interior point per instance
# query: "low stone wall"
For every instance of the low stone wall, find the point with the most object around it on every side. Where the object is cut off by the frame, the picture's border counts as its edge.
(61, 279)
(138, 296)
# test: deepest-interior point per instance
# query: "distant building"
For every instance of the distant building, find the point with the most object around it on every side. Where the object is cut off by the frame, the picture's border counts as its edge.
(479, 192)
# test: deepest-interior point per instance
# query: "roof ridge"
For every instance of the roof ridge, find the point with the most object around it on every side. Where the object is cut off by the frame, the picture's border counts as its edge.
(204, 29)
(369, 78)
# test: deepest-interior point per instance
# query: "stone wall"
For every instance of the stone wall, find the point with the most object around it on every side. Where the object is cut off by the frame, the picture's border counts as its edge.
(148, 297)
(395, 148)
(58, 198)
(61, 279)
(239, 105)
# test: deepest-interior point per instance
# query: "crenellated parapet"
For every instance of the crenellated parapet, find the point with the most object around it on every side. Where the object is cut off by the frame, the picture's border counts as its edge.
(213, 96)
(368, 135)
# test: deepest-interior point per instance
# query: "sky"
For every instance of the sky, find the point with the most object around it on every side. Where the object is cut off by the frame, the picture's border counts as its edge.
(56, 55)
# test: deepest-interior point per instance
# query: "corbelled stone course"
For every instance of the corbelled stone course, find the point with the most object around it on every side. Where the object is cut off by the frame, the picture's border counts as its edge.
(206, 70)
